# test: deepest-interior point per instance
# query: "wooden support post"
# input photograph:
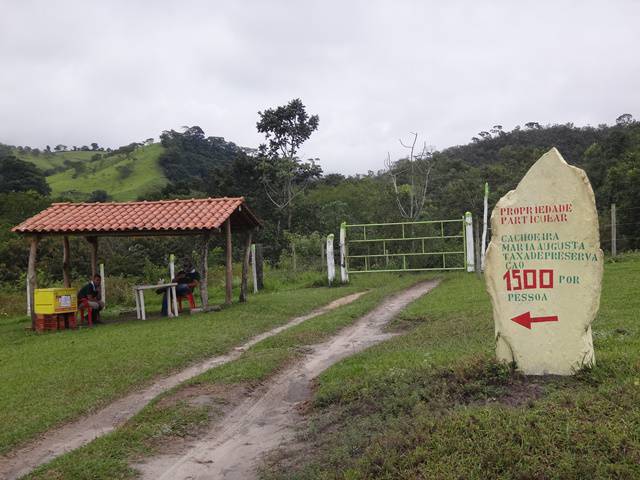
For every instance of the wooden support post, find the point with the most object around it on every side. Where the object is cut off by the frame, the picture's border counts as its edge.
(143, 313)
(137, 297)
(293, 255)
(476, 245)
(259, 265)
(28, 299)
(170, 312)
(254, 272)
(66, 276)
(204, 271)
(93, 241)
(229, 269)
(31, 278)
(614, 246)
(103, 286)
(245, 266)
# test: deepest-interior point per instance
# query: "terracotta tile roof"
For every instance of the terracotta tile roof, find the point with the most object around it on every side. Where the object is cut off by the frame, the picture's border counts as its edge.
(163, 216)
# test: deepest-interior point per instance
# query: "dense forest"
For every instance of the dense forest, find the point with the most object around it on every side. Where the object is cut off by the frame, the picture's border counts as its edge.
(296, 200)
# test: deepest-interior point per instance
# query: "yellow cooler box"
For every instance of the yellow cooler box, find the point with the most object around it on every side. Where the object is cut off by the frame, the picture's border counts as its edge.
(49, 301)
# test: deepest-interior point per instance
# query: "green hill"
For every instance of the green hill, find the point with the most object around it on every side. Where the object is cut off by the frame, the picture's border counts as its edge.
(123, 177)
(50, 161)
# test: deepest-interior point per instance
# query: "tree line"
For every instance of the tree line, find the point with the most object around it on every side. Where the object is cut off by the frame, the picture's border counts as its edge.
(294, 197)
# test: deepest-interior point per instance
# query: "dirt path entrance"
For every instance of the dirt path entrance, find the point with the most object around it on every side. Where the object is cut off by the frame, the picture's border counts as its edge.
(80, 432)
(233, 448)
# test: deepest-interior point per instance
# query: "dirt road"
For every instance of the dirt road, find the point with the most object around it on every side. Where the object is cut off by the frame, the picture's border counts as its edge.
(80, 432)
(233, 448)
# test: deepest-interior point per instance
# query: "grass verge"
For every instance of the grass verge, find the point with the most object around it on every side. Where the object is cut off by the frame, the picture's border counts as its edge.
(46, 379)
(175, 415)
(434, 404)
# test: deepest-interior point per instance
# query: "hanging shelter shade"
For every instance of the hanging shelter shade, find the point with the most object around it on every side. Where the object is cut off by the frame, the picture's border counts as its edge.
(201, 217)
(163, 217)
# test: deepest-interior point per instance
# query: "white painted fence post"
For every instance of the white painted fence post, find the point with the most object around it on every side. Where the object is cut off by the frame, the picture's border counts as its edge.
(468, 224)
(483, 250)
(331, 265)
(172, 296)
(344, 274)
(254, 270)
(103, 287)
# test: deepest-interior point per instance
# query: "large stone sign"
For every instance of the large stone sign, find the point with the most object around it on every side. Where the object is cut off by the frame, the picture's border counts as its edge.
(544, 269)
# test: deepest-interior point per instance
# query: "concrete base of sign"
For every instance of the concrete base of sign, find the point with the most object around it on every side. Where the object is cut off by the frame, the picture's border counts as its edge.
(544, 269)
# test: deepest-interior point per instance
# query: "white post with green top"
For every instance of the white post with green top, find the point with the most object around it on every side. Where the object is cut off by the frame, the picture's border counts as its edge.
(484, 226)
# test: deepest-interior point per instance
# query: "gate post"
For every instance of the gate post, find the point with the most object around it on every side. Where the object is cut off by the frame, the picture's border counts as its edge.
(344, 274)
(484, 226)
(331, 265)
(468, 228)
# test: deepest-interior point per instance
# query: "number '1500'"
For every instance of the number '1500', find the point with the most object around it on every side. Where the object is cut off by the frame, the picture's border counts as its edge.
(527, 279)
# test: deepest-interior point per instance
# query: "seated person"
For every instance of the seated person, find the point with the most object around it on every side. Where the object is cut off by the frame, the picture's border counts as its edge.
(91, 293)
(187, 280)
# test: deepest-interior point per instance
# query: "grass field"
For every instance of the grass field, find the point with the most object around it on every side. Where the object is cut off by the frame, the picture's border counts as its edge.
(434, 403)
(146, 176)
(172, 417)
(429, 404)
(46, 379)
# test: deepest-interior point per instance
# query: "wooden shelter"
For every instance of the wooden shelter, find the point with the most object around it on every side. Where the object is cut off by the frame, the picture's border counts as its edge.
(195, 217)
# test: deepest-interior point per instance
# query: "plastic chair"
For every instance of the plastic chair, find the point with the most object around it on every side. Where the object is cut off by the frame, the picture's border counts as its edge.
(86, 309)
(188, 296)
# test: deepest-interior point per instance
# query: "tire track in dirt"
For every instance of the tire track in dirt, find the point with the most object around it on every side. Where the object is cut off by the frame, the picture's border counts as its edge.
(233, 448)
(79, 432)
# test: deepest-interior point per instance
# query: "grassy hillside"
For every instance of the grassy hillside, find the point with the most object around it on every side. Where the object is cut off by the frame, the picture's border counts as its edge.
(55, 160)
(123, 178)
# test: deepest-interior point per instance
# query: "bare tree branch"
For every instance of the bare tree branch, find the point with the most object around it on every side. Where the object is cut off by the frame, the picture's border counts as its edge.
(418, 168)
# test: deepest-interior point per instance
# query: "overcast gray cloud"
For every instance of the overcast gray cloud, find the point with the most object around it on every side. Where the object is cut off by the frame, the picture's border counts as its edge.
(75, 72)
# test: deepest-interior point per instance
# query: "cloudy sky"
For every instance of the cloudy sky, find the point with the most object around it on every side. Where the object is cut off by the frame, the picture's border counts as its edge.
(112, 71)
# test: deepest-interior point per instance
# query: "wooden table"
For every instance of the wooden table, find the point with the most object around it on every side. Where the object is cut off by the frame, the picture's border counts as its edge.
(172, 299)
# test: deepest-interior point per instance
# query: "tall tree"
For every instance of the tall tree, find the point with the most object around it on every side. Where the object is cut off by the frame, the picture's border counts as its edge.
(19, 176)
(284, 175)
(190, 156)
(625, 119)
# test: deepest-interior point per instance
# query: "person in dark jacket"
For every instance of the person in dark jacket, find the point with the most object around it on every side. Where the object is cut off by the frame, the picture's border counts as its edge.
(91, 293)
(187, 280)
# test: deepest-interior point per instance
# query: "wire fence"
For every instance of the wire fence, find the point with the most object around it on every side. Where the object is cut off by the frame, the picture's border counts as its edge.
(619, 228)
(622, 229)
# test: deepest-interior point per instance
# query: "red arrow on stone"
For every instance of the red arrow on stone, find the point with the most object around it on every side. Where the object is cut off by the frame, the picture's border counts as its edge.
(526, 319)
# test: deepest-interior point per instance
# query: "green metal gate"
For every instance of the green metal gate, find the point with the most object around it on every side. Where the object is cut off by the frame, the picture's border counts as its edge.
(405, 246)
